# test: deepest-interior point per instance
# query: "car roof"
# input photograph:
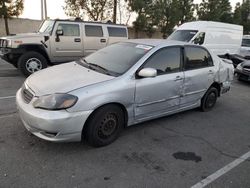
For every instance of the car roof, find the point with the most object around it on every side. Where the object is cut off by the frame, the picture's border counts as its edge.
(157, 42)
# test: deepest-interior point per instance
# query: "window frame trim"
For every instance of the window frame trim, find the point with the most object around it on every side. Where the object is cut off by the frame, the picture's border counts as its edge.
(165, 47)
(91, 25)
(185, 57)
(62, 23)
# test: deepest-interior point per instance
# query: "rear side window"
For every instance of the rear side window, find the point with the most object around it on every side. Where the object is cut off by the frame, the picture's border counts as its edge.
(69, 29)
(117, 32)
(93, 31)
(200, 39)
(197, 58)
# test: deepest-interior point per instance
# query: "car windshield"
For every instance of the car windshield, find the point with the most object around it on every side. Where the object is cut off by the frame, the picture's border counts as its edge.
(246, 42)
(183, 35)
(47, 27)
(116, 59)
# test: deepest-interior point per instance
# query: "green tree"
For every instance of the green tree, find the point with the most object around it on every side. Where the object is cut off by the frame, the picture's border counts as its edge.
(8, 9)
(144, 20)
(97, 10)
(168, 15)
(245, 15)
(215, 10)
(186, 9)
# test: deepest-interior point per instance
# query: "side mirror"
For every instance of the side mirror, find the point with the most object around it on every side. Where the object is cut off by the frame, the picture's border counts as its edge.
(147, 73)
(59, 32)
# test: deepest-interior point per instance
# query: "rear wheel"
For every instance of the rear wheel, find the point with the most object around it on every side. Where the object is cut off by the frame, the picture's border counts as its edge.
(104, 126)
(209, 99)
(31, 62)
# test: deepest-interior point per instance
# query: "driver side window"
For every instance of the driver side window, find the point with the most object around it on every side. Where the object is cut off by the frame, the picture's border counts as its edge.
(166, 60)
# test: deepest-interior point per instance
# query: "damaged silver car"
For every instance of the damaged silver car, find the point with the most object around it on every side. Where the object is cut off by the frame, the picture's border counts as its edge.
(126, 83)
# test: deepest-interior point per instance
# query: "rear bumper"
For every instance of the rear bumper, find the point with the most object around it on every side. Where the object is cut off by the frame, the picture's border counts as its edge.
(55, 126)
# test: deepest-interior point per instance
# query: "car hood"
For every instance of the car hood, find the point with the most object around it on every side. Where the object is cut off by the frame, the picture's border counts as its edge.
(63, 78)
(246, 63)
(25, 35)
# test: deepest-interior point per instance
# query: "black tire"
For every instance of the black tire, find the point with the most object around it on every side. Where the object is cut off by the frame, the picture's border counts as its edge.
(104, 126)
(208, 101)
(26, 60)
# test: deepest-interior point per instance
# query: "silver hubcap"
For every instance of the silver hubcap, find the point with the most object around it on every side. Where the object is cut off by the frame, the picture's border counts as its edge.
(33, 65)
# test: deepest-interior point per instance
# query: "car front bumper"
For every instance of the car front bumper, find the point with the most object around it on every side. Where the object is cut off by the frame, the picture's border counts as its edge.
(55, 126)
(242, 75)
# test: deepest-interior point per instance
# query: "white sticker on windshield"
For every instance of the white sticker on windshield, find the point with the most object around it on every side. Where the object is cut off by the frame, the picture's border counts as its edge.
(144, 47)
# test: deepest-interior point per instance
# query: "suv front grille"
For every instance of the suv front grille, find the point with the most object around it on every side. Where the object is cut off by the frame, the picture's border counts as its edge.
(27, 95)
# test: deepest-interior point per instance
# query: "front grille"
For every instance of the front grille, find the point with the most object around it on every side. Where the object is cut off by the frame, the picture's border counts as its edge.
(3, 43)
(27, 95)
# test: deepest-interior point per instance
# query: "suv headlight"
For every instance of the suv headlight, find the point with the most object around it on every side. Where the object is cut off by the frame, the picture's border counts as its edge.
(239, 67)
(9, 43)
(57, 101)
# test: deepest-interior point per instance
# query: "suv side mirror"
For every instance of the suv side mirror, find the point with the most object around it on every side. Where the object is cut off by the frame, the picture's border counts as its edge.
(59, 32)
(147, 73)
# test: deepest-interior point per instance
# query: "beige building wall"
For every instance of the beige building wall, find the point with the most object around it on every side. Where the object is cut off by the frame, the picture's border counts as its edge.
(18, 25)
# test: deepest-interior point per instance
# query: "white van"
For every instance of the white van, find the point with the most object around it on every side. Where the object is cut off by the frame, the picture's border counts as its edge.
(220, 38)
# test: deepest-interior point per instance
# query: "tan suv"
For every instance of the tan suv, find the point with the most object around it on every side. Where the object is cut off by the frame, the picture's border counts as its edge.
(58, 41)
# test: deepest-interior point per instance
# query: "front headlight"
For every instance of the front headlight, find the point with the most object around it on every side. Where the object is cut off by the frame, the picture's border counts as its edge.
(239, 67)
(57, 101)
(9, 43)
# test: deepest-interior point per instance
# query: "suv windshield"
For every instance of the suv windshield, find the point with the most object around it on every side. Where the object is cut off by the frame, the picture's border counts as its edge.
(246, 42)
(47, 27)
(116, 59)
(183, 35)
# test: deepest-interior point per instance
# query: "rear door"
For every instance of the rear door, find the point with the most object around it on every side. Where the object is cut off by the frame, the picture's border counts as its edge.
(199, 74)
(69, 46)
(94, 38)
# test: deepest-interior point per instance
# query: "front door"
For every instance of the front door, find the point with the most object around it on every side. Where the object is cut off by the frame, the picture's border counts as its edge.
(68, 46)
(199, 75)
(160, 94)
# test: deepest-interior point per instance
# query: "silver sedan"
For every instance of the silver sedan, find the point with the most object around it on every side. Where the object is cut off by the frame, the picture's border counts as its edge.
(126, 83)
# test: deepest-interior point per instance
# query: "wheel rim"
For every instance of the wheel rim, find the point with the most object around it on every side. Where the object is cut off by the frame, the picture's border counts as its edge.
(211, 100)
(108, 126)
(33, 65)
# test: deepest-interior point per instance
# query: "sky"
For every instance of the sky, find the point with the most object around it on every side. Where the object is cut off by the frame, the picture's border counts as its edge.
(32, 8)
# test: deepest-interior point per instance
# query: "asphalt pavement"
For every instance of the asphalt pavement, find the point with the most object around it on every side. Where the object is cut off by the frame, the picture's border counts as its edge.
(177, 151)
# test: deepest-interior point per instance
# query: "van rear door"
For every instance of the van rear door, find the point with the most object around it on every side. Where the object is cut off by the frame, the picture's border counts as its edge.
(94, 38)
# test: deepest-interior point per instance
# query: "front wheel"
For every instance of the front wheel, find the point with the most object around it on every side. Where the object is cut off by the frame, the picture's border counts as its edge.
(31, 62)
(208, 101)
(104, 126)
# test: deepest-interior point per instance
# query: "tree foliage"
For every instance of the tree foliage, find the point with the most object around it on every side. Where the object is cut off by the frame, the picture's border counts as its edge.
(10, 8)
(96, 10)
(215, 10)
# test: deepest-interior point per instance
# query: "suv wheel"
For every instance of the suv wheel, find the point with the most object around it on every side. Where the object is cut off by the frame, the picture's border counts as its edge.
(104, 126)
(31, 62)
(208, 101)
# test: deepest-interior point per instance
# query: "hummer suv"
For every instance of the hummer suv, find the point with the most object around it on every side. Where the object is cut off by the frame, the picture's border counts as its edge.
(58, 41)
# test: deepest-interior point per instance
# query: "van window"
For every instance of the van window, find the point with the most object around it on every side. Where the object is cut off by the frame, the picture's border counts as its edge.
(117, 32)
(183, 35)
(246, 42)
(166, 60)
(200, 39)
(196, 58)
(93, 31)
(69, 29)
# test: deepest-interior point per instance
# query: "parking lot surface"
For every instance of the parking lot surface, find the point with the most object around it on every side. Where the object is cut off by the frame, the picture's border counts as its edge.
(176, 151)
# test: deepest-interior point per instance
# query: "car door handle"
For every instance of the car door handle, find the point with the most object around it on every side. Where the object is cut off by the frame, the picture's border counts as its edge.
(103, 40)
(178, 78)
(77, 40)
